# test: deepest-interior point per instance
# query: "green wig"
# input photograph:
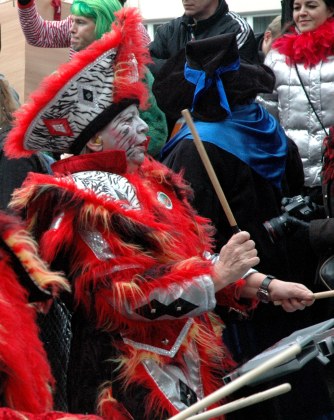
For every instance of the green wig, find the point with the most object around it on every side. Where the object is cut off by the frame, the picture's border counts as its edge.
(102, 12)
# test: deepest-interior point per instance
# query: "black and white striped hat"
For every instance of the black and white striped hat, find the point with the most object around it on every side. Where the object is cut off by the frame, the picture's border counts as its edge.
(84, 95)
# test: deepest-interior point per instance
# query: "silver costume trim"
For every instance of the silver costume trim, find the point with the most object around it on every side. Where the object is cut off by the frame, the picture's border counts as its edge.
(211, 257)
(112, 186)
(101, 249)
(198, 291)
(95, 241)
(249, 272)
(167, 377)
(56, 222)
(158, 350)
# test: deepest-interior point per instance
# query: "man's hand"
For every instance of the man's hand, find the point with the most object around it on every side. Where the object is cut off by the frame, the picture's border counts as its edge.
(235, 259)
(292, 296)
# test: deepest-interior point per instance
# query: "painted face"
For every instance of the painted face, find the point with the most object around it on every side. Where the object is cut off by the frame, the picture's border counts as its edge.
(127, 131)
(309, 14)
(200, 9)
(82, 32)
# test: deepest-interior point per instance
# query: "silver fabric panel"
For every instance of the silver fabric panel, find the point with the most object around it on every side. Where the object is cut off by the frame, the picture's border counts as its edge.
(94, 240)
(114, 187)
(162, 351)
(249, 272)
(211, 257)
(167, 377)
(199, 291)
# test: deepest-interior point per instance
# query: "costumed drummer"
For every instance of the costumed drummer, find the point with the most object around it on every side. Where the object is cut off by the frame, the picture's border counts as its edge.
(145, 341)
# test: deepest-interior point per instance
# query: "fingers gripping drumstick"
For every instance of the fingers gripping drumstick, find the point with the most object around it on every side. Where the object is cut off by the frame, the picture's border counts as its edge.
(212, 175)
(319, 295)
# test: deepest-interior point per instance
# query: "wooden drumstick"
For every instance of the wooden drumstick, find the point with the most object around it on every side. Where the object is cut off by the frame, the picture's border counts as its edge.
(245, 379)
(209, 168)
(243, 402)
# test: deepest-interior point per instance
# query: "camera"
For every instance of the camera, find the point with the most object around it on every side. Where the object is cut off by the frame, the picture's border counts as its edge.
(298, 211)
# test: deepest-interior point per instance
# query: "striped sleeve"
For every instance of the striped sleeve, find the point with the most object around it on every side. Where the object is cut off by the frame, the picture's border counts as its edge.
(245, 29)
(44, 33)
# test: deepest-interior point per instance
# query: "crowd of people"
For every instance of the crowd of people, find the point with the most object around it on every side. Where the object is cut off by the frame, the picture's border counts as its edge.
(110, 225)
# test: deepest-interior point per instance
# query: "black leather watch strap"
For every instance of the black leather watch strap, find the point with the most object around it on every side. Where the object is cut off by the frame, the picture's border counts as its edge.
(263, 292)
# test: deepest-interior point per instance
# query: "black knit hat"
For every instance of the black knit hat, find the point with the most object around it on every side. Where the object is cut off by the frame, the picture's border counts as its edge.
(213, 62)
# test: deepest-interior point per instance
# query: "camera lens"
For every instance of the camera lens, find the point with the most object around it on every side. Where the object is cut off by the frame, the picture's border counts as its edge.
(276, 227)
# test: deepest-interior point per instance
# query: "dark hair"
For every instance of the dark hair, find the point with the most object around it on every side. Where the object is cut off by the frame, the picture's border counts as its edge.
(287, 12)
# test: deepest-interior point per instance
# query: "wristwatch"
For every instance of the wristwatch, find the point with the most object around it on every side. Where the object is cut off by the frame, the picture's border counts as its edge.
(263, 292)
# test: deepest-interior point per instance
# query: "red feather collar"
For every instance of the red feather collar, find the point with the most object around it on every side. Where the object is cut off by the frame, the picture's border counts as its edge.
(109, 161)
(309, 47)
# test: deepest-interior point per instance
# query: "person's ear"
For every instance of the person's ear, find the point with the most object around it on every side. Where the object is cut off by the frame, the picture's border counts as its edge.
(267, 36)
(95, 144)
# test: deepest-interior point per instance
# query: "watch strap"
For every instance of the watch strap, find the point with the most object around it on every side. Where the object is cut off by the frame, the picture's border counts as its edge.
(266, 281)
(263, 292)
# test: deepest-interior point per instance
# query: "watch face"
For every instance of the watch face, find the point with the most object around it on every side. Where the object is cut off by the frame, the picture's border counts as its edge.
(263, 295)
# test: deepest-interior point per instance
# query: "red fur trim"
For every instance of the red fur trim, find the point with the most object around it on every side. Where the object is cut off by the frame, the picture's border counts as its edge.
(308, 48)
(132, 45)
(26, 375)
(328, 166)
(213, 360)
(98, 161)
(128, 42)
(230, 295)
(110, 408)
(9, 414)
(16, 237)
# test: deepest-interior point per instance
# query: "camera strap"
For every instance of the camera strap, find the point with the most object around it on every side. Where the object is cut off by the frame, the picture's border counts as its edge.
(309, 100)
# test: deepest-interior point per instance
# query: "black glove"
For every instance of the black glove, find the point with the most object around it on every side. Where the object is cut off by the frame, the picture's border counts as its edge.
(23, 2)
(302, 208)
(283, 226)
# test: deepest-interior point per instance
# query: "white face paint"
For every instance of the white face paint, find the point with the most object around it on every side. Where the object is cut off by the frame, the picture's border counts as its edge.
(127, 131)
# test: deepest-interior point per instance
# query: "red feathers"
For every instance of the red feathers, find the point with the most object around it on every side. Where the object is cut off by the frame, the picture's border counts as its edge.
(308, 48)
(25, 373)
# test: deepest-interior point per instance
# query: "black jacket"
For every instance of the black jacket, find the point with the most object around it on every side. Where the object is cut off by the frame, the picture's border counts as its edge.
(174, 35)
(14, 171)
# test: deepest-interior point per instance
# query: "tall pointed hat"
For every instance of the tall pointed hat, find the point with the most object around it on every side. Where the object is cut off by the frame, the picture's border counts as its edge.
(84, 95)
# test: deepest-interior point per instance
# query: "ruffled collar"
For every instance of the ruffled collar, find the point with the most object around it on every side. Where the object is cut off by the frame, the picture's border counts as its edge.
(308, 47)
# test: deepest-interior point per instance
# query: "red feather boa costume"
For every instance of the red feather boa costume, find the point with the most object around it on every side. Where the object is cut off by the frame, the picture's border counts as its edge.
(156, 247)
(26, 379)
(309, 47)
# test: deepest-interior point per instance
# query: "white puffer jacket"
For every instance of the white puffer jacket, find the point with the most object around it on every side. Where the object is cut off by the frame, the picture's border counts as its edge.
(290, 105)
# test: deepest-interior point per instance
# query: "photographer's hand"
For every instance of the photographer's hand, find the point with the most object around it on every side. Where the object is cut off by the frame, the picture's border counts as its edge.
(302, 208)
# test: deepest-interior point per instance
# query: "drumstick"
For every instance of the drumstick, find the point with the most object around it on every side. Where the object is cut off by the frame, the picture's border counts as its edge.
(243, 402)
(245, 379)
(318, 295)
(209, 168)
